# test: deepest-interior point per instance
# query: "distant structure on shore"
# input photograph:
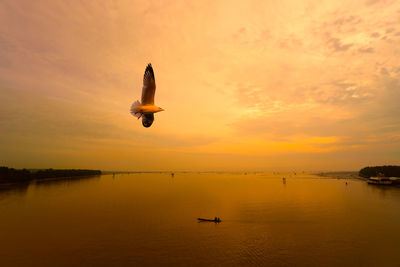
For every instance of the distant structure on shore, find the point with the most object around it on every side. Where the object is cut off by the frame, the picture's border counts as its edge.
(381, 181)
(10, 175)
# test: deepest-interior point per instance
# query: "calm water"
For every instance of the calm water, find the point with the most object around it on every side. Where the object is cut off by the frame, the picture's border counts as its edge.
(150, 219)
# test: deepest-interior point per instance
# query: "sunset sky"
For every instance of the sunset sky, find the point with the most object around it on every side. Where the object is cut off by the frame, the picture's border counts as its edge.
(246, 85)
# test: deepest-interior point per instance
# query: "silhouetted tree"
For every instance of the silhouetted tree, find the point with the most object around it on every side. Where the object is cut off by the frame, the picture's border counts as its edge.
(386, 171)
(13, 175)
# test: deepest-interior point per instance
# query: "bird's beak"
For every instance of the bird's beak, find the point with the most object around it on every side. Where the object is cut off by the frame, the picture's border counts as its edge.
(161, 109)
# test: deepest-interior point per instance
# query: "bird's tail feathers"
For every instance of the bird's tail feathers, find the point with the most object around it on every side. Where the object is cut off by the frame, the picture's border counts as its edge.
(133, 109)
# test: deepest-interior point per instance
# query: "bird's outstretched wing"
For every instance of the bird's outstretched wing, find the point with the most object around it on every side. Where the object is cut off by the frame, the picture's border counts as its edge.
(149, 86)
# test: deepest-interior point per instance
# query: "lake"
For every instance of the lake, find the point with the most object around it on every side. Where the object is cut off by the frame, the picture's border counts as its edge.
(150, 219)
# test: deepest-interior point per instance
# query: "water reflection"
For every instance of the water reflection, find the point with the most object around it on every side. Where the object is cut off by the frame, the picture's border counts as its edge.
(384, 191)
(14, 189)
(22, 187)
(65, 180)
(150, 219)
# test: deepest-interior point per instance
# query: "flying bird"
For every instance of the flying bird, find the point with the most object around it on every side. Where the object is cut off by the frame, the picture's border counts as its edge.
(146, 108)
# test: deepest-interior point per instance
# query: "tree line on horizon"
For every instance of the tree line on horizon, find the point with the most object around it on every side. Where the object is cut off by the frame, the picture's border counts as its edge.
(385, 171)
(25, 175)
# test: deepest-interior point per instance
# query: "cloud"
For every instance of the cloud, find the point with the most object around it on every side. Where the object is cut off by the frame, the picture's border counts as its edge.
(239, 81)
(366, 50)
(337, 45)
(390, 30)
(375, 35)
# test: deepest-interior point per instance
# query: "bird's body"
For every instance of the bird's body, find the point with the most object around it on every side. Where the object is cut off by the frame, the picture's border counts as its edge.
(146, 108)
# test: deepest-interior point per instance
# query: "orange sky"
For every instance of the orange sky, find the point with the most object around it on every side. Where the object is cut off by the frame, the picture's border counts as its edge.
(246, 85)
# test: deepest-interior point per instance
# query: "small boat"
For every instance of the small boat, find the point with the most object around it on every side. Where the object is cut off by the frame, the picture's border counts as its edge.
(379, 181)
(216, 220)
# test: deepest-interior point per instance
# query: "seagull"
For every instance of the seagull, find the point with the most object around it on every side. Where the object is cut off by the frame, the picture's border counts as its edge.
(146, 109)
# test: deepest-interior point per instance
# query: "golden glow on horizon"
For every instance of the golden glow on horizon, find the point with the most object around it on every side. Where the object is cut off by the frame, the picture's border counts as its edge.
(245, 85)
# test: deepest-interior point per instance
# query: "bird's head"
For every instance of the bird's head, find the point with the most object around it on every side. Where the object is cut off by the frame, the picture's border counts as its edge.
(147, 119)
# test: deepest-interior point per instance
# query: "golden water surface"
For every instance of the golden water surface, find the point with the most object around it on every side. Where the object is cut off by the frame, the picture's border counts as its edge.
(149, 219)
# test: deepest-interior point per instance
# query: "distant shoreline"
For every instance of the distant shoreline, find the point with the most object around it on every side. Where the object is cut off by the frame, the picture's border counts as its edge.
(10, 176)
(341, 175)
